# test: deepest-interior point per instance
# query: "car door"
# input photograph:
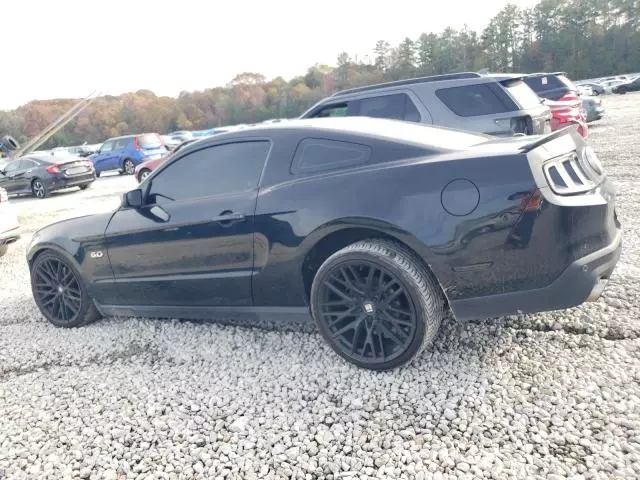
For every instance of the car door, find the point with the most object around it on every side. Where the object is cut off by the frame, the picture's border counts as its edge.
(7, 179)
(102, 158)
(13, 174)
(191, 243)
(117, 153)
(24, 175)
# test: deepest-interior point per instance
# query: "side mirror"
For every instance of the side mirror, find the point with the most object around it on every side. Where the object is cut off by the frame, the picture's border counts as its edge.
(132, 199)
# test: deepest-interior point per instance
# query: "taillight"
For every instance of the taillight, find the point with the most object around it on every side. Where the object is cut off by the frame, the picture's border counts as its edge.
(54, 168)
(136, 143)
(4, 196)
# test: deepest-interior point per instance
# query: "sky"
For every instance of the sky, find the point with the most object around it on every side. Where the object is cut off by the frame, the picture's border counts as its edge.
(69, 48)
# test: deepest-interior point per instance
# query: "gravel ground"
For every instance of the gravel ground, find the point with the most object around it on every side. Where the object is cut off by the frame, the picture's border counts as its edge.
(535, 396)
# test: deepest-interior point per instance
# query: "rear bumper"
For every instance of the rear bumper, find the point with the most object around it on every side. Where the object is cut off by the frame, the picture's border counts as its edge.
(584, 280)
(61, 182)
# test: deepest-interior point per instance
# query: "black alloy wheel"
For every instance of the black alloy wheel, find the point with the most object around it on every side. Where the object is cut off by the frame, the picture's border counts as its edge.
(376, 305)
(59, 292)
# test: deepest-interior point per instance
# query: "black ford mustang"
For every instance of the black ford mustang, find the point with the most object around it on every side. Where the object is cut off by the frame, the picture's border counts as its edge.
(372, 227)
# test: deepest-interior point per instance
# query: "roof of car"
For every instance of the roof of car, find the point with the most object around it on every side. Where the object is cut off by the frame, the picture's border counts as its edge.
(394, 130)
(410, 81)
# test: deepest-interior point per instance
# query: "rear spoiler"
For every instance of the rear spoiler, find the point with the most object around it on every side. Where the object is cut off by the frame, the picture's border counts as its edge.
(547, 138)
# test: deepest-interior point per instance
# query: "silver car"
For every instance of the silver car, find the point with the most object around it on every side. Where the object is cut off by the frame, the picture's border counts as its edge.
(492, 104)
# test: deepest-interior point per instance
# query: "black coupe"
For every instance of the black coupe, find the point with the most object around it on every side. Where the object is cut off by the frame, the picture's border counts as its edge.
(371, 227)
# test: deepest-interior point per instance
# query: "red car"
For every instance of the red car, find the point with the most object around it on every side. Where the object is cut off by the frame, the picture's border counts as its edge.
(143, 170)
(568, 112)
(562, 97)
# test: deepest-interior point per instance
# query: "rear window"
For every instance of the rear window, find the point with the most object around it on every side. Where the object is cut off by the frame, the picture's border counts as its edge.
(150, 140)
(522, 94)
(472, 100)
(549, 82)
(317, 154)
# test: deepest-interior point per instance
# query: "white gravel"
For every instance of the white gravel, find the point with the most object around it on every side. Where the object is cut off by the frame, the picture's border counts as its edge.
(536, 396)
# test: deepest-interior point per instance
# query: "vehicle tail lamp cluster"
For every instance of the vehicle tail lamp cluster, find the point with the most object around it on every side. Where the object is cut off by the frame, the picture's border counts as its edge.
(4, 196)
(574, 173)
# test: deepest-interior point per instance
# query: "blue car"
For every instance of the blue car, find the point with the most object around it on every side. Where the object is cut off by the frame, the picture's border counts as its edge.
(125, 153)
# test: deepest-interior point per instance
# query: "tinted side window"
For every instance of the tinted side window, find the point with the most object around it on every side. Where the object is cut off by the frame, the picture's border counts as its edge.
(335, 110)
(397, 106)
(318, 154)
(472, 100)
(232, 167)
(384, 106)
(11, 167)
(106, 147)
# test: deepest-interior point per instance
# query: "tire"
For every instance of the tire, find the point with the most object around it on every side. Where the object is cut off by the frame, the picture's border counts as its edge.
(128, 167)
(144, 173)
(85, 186)
(60, 293)
(3, 250)
(348, 286)
(39, 189)
(622, 90)
(97, 174)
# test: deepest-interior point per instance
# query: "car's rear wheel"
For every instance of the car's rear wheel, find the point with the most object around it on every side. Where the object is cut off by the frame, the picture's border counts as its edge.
(85, 186)
(376, 304)
(3, 249)
(128, 167)
(622, 90)
(39, 189)
(144, 173)
(59, 291)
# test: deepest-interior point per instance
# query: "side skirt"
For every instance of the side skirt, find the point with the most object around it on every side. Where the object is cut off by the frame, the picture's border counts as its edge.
(283, 315)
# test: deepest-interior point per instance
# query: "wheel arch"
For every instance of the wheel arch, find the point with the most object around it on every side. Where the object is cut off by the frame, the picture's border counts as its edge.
(330, 238)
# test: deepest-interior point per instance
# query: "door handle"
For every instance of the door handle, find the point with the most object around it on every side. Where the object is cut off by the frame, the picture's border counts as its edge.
(228, 217)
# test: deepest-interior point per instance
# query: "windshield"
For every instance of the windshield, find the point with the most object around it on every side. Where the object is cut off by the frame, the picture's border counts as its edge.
(523, 95)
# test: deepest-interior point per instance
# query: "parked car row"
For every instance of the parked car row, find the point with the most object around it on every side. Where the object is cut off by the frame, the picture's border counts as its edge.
(620, 84)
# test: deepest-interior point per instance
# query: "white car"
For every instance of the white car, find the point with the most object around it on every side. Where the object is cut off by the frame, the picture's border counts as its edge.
(9, 226)
(585, 90)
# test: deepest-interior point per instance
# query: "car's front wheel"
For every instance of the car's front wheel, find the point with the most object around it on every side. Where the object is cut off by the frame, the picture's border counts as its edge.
(144, 173)
(3, 250)
(59, 291)
(85, 186)
(376, 304)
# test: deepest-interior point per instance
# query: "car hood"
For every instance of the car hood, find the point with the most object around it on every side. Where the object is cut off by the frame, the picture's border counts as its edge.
(70, 235)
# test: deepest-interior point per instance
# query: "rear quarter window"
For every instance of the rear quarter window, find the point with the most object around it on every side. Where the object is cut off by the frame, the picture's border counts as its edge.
(319, 154)
(472, 100)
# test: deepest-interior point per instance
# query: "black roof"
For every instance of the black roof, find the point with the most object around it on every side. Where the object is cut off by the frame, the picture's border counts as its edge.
(410, 81)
